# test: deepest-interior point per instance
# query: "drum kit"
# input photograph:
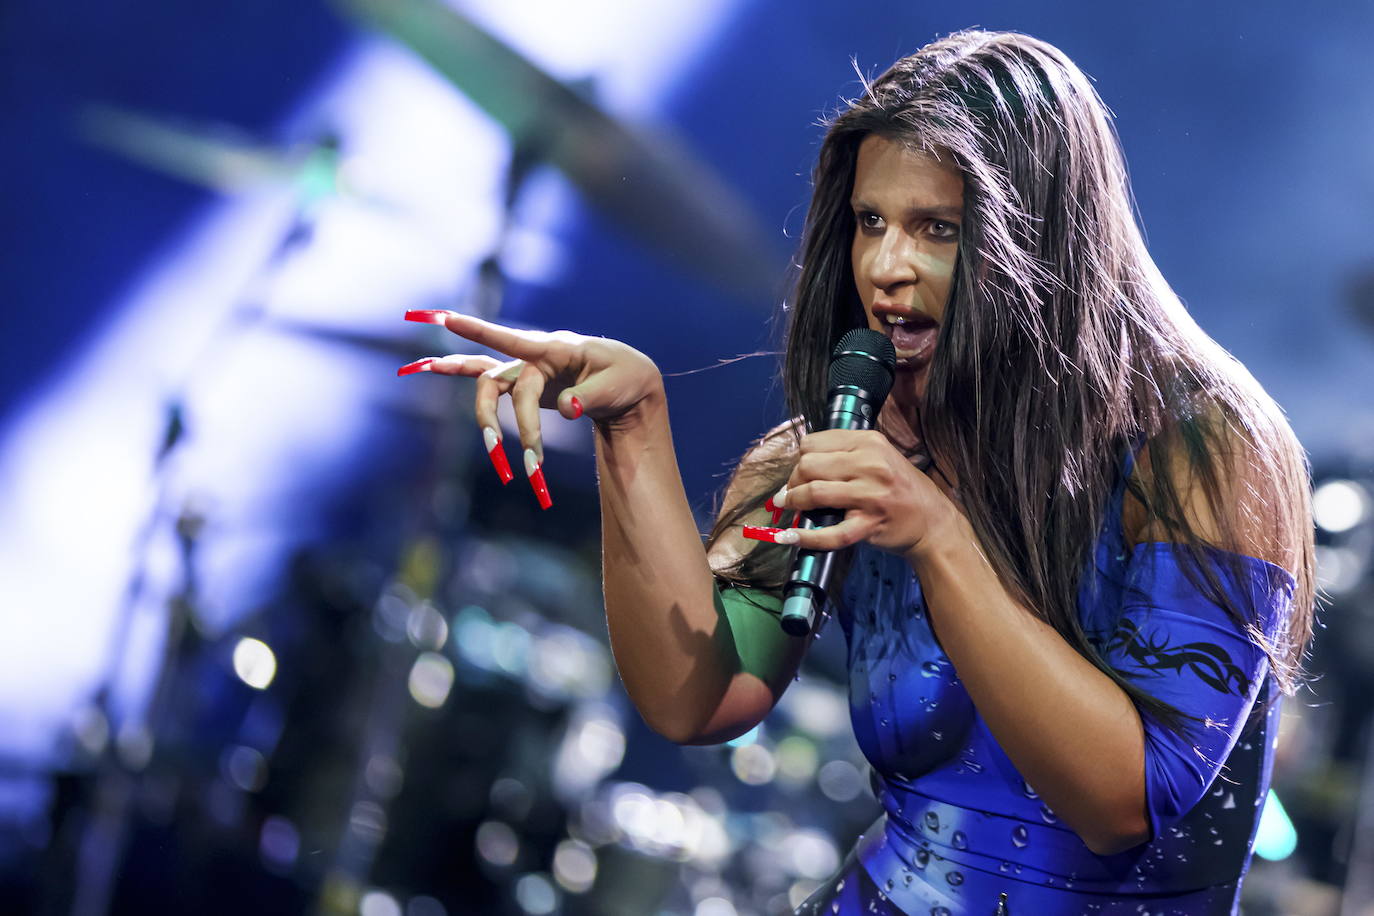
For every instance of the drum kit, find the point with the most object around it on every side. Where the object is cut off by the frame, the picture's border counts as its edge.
(434, 729)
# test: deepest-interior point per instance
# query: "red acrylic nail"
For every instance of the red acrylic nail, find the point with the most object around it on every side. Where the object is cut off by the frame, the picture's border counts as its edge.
(541, 489)
(760, 533)
(428, 316)
(418, 366)
(576, 408)
(497, 454)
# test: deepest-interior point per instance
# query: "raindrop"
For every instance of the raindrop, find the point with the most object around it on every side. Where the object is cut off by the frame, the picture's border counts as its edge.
(1047, 815)
(930, 669)
(932, 822)
(922, 858)
(835, 907)
(892, 677)
(1026, 787)
(1230, 801)
(938, 736)
(890, 882)
(955, 878)
(1218, 841)
(959, 841)
(885, 723)
(972, 765)
(1020, 837)
(1005, 866)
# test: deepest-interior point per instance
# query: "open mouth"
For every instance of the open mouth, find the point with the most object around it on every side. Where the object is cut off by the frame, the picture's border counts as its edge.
(913, 336)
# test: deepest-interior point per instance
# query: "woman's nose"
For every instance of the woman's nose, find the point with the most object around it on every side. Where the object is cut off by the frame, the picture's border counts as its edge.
(893, 261)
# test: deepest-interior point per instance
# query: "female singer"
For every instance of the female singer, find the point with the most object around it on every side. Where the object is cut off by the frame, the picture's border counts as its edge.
(1079, 545)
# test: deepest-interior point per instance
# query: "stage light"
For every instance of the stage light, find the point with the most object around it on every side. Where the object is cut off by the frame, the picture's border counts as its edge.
(536, 895)
(431, 679)
(1276, 837)
(820, 709)
(753, 764)
(840, 781)
(1339, 505)
(497, 844)
(797, 760)
(279, 843)
(426, 627)
(715, 906)
(1339, 569)
(810, 854)
(244, 768)
(574, 866)
(255, 663)
(378, 903)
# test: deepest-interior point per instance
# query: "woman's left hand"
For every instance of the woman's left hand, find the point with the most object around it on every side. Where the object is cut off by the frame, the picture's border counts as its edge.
(886, 501)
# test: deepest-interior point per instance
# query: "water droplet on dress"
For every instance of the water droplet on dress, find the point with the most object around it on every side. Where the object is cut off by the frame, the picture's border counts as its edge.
(930, 669)
(959, 841)
(1047, 815)
(839, 886)
(1230, 801)
(835, 907)
(939, 911)
(938, 736)
(1026, 788)
(892, 677)
(884, 723)
(1020, 836)
(890, 883)
(955, 878)
(932, 822)
(1005, 866)
(973, 766)
(922, 858)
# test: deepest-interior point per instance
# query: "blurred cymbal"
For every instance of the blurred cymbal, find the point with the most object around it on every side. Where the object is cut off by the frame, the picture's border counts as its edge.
(649, 185)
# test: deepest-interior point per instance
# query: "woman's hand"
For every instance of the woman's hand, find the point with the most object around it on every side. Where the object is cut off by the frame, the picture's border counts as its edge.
(559, 370)
(885, 499)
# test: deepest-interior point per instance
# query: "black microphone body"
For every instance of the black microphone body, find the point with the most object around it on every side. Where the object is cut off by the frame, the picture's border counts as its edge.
(861, 371)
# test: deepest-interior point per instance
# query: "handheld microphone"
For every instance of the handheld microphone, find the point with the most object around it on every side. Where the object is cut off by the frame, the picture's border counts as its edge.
(861, 369)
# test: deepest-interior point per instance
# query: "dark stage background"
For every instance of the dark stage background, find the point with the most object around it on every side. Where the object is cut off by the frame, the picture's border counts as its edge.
(272, 637)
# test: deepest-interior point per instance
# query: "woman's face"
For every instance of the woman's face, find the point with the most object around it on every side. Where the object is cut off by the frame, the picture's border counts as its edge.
(907, 210)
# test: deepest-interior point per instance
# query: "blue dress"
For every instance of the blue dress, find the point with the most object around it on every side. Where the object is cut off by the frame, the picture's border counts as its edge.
(963, 833)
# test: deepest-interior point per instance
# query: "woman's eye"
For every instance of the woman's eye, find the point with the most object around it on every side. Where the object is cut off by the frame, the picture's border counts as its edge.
(869, 221)
(943, 230)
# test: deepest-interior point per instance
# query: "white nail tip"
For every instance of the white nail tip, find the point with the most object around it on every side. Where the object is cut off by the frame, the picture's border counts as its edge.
(787, 536)
(780, 498)
(490, 437)
(531, 462)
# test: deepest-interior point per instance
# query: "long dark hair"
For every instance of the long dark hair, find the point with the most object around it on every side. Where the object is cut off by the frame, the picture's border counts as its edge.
(1061, 348)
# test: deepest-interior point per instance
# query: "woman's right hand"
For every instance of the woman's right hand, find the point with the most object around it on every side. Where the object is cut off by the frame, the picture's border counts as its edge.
(559, 370)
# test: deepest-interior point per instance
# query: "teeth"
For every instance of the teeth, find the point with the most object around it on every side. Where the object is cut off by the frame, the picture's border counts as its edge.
(894, 319)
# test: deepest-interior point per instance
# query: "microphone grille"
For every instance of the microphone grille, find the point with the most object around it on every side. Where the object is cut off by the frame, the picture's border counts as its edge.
(865, 359)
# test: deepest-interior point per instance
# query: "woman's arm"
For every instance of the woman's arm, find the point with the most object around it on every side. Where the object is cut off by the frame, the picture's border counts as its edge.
(700, 667)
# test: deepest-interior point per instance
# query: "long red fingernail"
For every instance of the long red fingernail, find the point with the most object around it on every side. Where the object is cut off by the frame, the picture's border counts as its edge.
(420, 365)
(497, 455)
(428, 316)
(577, 408)
(775, 509)
(536, 474)
(760, 533)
